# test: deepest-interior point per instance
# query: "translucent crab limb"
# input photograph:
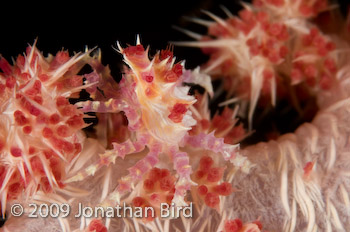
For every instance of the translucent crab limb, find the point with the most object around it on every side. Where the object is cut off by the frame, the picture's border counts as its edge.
(119, 150)
(110, 106)
(184, 170)
(136, 172)
(110, 96)
(147, 163)
(107, 157)
(129, 147)
(217, 145)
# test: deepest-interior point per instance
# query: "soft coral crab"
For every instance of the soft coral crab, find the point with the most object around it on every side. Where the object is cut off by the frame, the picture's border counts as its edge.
(157, 106)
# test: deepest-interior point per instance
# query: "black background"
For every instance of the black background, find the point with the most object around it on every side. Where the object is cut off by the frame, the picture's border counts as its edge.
(73, 25)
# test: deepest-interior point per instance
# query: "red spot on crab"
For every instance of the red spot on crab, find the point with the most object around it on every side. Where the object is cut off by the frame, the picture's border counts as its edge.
(177, 112)
(149, 78)
(170, 76)
(137, 50)
(173, 74)
(177, 69)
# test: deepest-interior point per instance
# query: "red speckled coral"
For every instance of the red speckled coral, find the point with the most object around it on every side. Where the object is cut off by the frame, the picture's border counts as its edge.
(40, 129)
